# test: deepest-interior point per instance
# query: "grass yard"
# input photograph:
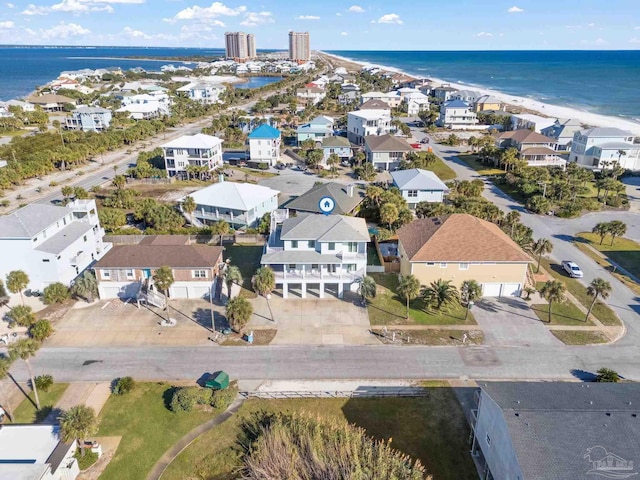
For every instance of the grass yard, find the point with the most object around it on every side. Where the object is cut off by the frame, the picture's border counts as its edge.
(565, 313)
(442, 170)
(388, 309)
(472, 161)
(26, 411)
(600, 310)
(624, 251)
(247, 259)
(432, 429)
(604, 263)
(148, 428)
(251, 172)
(580, 337)
(439, 337)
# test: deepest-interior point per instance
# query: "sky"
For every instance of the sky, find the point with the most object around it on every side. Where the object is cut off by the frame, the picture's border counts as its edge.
(332, 24)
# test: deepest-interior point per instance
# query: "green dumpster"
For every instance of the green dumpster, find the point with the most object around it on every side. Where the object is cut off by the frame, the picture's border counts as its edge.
(218, 381)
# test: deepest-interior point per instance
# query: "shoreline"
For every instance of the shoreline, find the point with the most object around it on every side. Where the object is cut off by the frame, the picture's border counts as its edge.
(539, 107)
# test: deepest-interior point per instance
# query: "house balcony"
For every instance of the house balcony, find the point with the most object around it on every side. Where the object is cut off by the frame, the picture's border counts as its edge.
(216, 217)
(317, 276)
(545, 161)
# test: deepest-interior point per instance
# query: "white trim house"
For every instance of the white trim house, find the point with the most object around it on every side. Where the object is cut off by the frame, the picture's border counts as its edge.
(600, 147)
(456, 113)
(417, 185)
(196, 150)
(264, 144)
(316, 252)
(362, 123)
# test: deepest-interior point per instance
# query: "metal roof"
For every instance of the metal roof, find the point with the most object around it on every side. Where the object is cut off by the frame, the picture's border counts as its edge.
(30, 220)
(417, 179)
(233, 195)
(265, 131)
(65, 237)
(198, 141)
(325, 228)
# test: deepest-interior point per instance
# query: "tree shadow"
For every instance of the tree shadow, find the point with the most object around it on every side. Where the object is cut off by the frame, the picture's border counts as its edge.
(48, 413)
(167, 395)
(583, 375)
(545, 311)
(201, 317)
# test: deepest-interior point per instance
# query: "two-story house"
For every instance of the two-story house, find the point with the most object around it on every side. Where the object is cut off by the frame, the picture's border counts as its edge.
(51, 243)
(126, 271)
(443, 92)
(417, 185)
(314, 253)
(416, 102)
(202, 92)
(89, 119)
(338, 145)
(529, 121)
(145, 106)
(386, 152)
(363, 123)
(456, 114)
(467, 96)
(601, 147)
(562, 131)
(536, 149)
(198, 150)
(488, 103)
(310, 95)
(239, 204)
(316, 129)
(264, 144)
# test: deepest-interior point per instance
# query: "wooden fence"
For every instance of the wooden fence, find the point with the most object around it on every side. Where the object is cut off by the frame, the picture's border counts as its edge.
(362, 392)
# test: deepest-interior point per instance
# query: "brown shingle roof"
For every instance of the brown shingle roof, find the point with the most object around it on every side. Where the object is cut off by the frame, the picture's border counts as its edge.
(526, 136)
(155, 256)
(165, 240)
(387, 143)
(50, 98)
(538, 151)
(458, 238)
(374, 104)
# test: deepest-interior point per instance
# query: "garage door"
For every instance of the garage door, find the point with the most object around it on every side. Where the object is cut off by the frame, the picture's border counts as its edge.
(179, 292)
(199, 292)
(491, 289)
(109, 292)
(510, 290)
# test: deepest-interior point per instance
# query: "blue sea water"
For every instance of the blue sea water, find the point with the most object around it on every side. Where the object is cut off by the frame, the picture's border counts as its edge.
(604, 82)
(257, 82)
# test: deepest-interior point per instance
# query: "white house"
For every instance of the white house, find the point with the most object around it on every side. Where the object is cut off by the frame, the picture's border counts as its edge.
(468, 96)
(264, 144)
(198, 150)
(36, 452)
(239, 204)
(362, 123)
(316, 253)
(563, 131)
(202, 92)
(456, 113)
(338, 145)
(416, 102)
(146, 106)
(310, 94)
(528, 121)
(386, 152)
(417, 185)
(50, 243)
(393, 99)
(89, 119)
(600, 147)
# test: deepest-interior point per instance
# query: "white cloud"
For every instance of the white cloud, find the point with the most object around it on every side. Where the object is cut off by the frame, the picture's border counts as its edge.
(637, 28)
(389, 18)
(344, 34)
(35, 10)
(6, 25)
(484, 34)
(10, 5)
(63, 31)
(634, 41)
(130, 32)
(257, 18)
(355, 9)
(591, 25)
(308, 17)
(515, 9)
(77, 6)
(338, 14)
(217, 9)
(598, 42)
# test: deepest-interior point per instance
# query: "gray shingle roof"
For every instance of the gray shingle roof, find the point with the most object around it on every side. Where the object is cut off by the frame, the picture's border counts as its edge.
(308, 201)
(325, 228)
(557, 428)
(335, 142)
(30, 220)
(65, 237)
(606, 132)
(417, 179)
(387, 143)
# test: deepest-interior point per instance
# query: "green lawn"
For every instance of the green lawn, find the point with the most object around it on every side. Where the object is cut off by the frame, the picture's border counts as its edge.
(372, 255)
(442, 170)
(606, 264)
(624, 251)
(432, 429)
(565, 313)
(388, 309)
(26, 411)
(247, 259)
(148, 428)
(486, 170)
(579, 337)
(600, 310)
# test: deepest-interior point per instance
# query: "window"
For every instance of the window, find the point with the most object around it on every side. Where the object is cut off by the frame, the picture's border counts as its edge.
(430, 264)
(332, 246)
(129, 273)
(464, 266)
(106, 274)
(199, 274)
(443, 265)
(311, 244)
(412, 193)
(292, 266)
(351, 267)
(294, 243)
(353, 247)
(45, 260)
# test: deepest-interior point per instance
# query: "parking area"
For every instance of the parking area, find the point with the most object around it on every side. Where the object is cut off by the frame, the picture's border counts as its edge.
(509, 321)
(117, 323)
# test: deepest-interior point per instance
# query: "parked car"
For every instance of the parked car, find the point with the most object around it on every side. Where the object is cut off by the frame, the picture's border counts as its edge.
(572, 269)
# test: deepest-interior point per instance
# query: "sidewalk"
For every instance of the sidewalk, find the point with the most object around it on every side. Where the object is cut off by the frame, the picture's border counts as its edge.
(91, 394)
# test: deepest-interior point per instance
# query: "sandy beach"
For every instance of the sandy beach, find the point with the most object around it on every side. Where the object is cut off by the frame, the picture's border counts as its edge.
(540, 108)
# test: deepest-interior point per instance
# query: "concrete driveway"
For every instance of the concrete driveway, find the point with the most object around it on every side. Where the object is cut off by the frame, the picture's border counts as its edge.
(509, 321)
(326, 321)
(633, 192)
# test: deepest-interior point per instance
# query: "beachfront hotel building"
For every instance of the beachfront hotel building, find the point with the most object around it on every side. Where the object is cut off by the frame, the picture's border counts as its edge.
(299, 49)
(240, 46)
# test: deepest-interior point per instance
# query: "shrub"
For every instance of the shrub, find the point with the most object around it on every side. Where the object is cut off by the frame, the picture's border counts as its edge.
(54, 184)
(263, 166)
(185, 398)
(41, 330)
(86, 460)
(124, 385)
(4, 203)
(221, 399)
(606, 375)
(22, 315)
(44, 382)
(56, 293)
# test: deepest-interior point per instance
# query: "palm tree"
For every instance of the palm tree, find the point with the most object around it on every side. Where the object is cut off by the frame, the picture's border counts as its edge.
(470, 290)
(239, 311)
(553, 291)
(189, 205)
(119, 181)
(24, 349)
(163, 278)
(232, 275)
(617, 229)
(367, 288)
(601, 229)
(86, 286)
(540, 247)
(5, 366)
(441, 292)
(16, 282)
(78, 423)
(22, 315)
(264, 281)
(408, 288)
(597, 288)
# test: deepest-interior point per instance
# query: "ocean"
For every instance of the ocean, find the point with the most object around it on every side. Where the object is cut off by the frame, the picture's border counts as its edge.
(602, 82)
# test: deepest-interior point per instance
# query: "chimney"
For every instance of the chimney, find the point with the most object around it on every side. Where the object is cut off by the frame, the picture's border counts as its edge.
(350, 190)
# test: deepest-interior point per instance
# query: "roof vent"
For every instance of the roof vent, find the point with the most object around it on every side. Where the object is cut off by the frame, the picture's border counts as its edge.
(517, 414)
(608, 414)
(634, 415)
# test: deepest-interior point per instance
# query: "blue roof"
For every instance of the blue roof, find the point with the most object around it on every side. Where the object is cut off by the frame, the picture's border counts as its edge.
(265, 131)
(456, 104)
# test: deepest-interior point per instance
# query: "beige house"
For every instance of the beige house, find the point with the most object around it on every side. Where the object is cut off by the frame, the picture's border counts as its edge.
(461, 247)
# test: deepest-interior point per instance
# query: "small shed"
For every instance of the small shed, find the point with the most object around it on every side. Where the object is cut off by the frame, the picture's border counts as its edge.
(218, 381)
